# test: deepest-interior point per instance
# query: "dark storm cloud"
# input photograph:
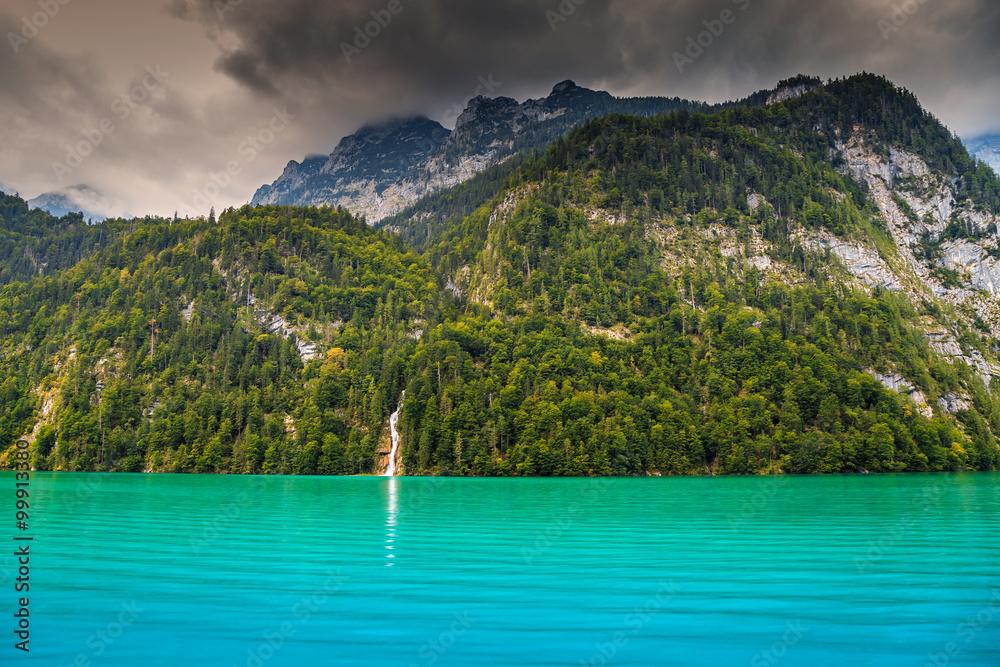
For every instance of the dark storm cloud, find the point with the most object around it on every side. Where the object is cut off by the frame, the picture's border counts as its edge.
(237, 61)
(426, 50)
(435, 48)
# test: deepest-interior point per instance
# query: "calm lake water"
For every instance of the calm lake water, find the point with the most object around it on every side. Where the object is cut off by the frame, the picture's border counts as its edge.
(213, 570)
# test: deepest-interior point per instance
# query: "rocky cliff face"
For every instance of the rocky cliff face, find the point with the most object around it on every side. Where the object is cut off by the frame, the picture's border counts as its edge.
(381, 169)
(918, 206)
(792, 88)
(372, 171)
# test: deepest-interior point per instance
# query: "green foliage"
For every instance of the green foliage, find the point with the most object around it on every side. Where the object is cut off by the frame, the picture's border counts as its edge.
(184, 345)
(730, 386)
(34, 243)
(192, 378)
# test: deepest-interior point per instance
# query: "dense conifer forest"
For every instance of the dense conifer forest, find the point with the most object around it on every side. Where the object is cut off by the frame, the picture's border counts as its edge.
(570, 312)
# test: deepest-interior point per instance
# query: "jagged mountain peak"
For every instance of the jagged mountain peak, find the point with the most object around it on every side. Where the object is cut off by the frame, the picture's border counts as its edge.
(563, 87)
(568, 93)
(314, 160)
(396, 135)
(386, 166)
(480, 107)
(395, 124)
(391, 147)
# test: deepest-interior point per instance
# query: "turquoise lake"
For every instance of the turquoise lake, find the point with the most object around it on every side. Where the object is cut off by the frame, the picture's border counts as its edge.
(222, 570)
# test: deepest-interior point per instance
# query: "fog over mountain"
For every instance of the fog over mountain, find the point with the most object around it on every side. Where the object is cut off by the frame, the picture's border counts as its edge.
(79, 198)
(987, 149)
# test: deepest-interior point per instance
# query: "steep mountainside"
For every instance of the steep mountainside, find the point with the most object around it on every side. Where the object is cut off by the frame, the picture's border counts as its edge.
(381, 169)
(432, 211)
(806, 286)
(190, 345)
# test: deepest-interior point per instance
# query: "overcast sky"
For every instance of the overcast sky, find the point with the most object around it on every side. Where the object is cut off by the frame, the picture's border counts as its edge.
(145, 99)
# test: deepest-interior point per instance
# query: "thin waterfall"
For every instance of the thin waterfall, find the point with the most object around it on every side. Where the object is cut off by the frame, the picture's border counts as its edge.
(390, 471)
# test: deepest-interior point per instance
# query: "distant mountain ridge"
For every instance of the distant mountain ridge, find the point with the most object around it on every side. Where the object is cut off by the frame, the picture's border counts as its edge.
(987, 149)
(78, 199)
(381, 169)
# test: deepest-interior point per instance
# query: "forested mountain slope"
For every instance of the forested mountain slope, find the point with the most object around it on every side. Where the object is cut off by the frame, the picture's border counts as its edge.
(34, 243)
(800, 287)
